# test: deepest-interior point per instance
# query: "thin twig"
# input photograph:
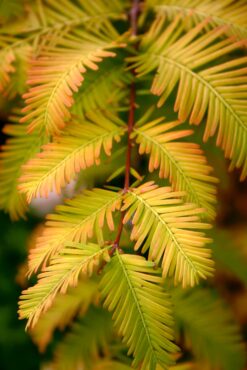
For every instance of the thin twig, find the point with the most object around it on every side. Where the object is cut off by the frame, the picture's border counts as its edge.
(131, 121)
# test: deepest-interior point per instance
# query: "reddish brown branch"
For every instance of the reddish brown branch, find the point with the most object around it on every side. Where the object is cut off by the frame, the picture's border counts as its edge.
(131, 121)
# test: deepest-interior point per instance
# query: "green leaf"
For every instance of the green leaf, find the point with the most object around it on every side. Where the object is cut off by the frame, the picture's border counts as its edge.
(209, 329)
(88, 340)
(141, 309)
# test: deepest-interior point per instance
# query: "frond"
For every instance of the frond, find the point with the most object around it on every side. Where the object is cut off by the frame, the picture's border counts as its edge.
(141, 309)
(57, 74)
(64, 271)
(18, 149)
(86, 342)
(78, 220)
(167, 227)
(209, 329)
(217, 92)
(183, 163)
(79, 147)
(65, 307)
(223, 12)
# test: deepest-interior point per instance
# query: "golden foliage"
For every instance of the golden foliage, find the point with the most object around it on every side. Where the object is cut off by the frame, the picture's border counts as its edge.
(216, 91)
(183, 163)
(157, 211)
(77, 221)
(64, 271)
(57, 74)
(221, 12)
(79, 147)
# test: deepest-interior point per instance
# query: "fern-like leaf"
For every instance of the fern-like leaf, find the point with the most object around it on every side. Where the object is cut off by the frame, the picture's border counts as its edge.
(64, 271)
(79, 147)
(57, 74)
(166, 226)
(65, 307)
(78, 220)
(223, 12)
(183, 163)
(216, 91)
(26, 146)
(141, 309)
(209, 329)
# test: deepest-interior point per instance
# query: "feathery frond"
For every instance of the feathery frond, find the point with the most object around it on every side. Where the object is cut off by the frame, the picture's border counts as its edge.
(166, 227)
(78, 220)
(79, 147)
(57, 74)
(65, 307)
(17, 150)
(209, 329)
(141, 309)
(183, 163)
(64, 271)
(223, 12)
(218, 91)
(87, 341)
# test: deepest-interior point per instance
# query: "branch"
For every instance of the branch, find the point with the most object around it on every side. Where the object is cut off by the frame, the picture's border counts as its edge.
(133, 15)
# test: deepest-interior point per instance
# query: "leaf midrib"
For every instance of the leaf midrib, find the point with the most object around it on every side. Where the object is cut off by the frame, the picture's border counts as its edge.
(166, 225)
(174, 162)
(59, 242)
(132, 289)
(71, 154)
(204, 82)
(62, 279)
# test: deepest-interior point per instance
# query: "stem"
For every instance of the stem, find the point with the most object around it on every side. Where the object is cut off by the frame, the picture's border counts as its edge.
(133, 15)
